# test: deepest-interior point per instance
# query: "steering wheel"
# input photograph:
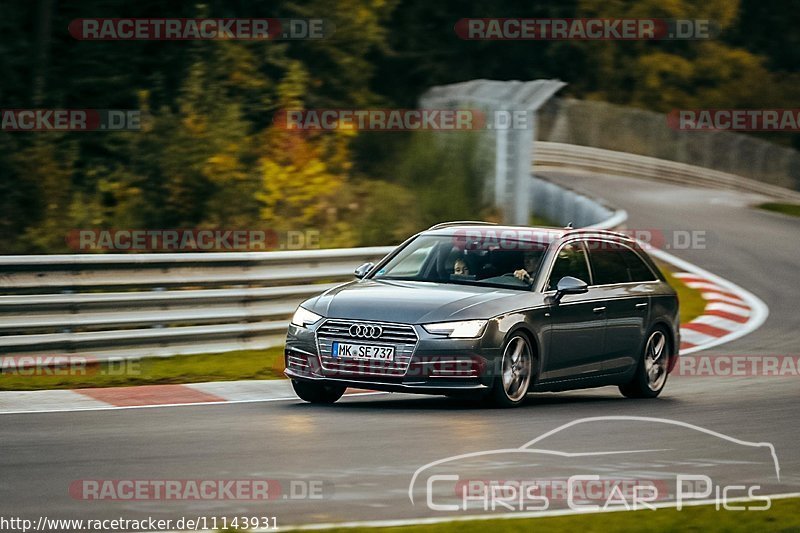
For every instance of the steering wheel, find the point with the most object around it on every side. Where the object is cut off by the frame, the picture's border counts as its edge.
(511, 274)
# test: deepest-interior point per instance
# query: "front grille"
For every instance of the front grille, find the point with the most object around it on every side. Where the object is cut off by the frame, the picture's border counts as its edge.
(401, 336)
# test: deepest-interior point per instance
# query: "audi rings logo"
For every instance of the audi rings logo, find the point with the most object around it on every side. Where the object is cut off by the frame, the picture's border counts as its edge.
(366, 331)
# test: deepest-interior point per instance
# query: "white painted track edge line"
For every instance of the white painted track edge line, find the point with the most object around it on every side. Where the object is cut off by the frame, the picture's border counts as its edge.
(186, 404)
(401, 522)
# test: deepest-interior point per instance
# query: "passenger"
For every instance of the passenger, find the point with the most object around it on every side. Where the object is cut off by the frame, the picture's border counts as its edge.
(461, 268)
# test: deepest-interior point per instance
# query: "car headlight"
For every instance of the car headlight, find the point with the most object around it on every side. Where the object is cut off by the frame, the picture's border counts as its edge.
(304, 318)
(465, 329)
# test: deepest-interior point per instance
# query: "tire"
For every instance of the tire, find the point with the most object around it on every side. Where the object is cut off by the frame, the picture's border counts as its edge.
(651, 373)
(516, 373)
(317, 392)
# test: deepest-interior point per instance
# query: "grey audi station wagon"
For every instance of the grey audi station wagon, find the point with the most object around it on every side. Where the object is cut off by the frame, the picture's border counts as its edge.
(491, 312)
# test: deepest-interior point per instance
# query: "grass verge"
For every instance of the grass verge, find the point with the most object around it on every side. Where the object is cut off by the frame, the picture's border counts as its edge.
(783, 516)
(691, 300)
(780, 207)
(245, 364)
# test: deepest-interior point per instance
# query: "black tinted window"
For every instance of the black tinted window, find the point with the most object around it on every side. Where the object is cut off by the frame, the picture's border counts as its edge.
(571, 261)
(637, 269)
(616, 263)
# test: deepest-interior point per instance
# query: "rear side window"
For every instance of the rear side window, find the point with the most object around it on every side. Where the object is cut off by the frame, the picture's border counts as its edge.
(616, 263)
(637, 268)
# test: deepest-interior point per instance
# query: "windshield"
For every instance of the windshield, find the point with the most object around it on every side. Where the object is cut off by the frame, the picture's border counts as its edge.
(458, 260)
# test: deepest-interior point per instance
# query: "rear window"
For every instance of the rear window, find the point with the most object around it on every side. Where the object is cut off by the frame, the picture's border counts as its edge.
(639, 271)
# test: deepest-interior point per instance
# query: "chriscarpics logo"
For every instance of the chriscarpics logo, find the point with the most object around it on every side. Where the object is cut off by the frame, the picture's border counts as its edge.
(605, 463)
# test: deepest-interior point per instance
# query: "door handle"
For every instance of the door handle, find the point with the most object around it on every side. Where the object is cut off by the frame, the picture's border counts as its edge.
(598, 310)
(641, 305)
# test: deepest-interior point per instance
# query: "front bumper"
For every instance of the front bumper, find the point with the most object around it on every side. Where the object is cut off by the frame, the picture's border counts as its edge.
(438, 365)
(419, 387)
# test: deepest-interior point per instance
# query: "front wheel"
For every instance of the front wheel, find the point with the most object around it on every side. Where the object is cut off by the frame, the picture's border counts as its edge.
(317, 392)
(516, 372)
(651, 373)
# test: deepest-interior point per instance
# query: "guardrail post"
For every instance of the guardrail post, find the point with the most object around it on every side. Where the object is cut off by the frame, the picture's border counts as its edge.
(512, 141)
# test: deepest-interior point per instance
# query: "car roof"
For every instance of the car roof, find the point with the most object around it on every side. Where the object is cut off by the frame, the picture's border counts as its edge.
(502, 231)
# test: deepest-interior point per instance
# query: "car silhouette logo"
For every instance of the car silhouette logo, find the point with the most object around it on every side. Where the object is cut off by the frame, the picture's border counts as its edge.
(531, 457)
(366, 331)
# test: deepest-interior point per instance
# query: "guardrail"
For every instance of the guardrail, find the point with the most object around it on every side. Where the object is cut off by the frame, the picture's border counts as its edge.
(107, 306)
(623, 163)
(562, 205)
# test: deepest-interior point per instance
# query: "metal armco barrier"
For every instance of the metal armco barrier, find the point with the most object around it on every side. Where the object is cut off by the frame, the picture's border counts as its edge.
(132, 305)
(573, 156)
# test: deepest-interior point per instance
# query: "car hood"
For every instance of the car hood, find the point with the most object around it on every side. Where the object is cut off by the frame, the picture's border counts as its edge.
(414, 302)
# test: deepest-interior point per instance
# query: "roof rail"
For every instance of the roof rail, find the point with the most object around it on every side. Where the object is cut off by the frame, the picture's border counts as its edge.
(600, 231)
(461, 223)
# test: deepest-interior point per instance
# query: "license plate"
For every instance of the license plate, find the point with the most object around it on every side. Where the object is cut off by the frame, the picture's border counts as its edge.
(362, 351)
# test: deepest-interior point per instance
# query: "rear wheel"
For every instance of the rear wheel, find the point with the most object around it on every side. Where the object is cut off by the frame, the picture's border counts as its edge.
(317, 392)
(651, 374)
(516, 372)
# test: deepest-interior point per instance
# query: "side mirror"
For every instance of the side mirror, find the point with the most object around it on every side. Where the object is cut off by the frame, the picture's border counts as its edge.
(363, 270)
(570, 285)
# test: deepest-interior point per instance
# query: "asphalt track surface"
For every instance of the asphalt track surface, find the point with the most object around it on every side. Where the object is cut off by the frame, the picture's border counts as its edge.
(365, 450)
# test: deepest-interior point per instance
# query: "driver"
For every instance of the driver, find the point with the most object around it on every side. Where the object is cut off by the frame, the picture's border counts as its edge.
(530, 263)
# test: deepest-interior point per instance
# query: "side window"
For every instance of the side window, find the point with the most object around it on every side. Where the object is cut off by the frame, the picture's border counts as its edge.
(616, 263)
(571, 261)
(608, 263)
(637, 268)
